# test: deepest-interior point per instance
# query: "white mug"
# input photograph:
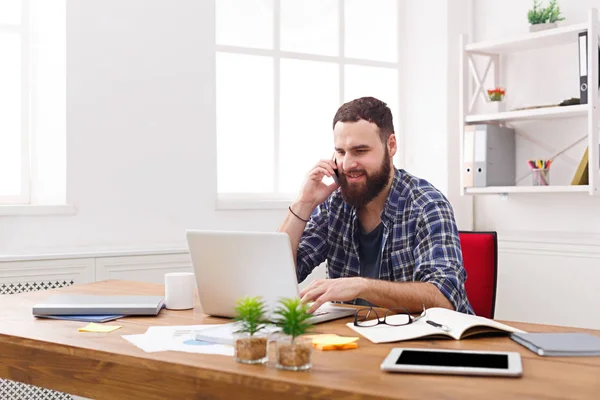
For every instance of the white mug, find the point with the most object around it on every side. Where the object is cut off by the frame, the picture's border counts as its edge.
(179, 290)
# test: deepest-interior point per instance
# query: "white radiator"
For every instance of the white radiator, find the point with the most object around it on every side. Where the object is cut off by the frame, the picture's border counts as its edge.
(10, 390)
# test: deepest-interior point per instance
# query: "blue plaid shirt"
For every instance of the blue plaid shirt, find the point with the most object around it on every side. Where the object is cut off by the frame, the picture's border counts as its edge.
(420, 240)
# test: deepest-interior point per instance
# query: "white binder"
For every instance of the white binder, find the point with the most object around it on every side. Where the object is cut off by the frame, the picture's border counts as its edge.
(489, 156)
(468, 155)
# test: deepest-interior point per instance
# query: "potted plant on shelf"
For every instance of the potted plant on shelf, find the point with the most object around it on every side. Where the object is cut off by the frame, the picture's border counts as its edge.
(496, 94)
(250, 340)
(293, 350)
(541, 17)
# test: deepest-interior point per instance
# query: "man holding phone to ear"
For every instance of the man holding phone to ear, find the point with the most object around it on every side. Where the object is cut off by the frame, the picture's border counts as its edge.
(389, 238)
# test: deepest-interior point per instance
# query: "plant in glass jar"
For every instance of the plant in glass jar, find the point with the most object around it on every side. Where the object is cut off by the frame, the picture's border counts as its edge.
(250, 340)
(293, 351)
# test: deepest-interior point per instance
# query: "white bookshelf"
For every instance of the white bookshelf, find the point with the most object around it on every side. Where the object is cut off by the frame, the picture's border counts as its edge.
(492, 50)
(528, 41)
(579, 110)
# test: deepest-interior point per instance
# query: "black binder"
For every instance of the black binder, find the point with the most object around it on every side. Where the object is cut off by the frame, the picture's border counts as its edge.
(583, 66)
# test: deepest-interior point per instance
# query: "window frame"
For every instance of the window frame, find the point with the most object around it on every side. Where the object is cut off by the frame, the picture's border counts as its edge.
(23, 30)
(276, 199)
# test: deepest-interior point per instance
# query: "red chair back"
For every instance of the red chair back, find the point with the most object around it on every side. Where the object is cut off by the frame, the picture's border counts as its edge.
(480, 259)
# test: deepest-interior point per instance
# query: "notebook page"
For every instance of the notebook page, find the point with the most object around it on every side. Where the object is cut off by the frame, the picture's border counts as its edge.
(460, 322)
(385, 333)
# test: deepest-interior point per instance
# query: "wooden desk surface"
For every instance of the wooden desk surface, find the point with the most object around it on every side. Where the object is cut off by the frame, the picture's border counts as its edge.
(52, 354)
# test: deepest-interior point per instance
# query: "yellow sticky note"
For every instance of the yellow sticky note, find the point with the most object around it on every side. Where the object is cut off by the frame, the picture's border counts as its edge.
(93, 327)
(331, 340)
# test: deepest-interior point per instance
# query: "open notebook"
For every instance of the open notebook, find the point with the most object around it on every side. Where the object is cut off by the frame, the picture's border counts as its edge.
(460, 326)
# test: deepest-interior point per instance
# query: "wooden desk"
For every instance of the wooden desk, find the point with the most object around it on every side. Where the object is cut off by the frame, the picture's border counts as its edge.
(52, 354)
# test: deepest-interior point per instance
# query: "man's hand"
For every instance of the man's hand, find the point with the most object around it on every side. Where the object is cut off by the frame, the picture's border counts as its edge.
(341, 289)
(314, 191)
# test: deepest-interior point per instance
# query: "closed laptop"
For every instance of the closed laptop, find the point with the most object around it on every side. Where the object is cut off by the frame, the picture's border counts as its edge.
(73, 304)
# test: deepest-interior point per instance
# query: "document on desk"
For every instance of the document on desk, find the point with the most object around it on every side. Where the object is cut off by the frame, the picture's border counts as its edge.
(224, 333)
(177, 338)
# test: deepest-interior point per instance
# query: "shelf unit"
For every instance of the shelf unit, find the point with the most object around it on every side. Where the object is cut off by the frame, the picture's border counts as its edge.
(528, 189)
(579, 110)
(493, 50)
(528, 41)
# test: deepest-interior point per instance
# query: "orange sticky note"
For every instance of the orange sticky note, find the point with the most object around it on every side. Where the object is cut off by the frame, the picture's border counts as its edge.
(348, 346)
(334, 342)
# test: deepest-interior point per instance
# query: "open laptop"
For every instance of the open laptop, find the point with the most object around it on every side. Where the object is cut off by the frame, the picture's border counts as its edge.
(230, 265)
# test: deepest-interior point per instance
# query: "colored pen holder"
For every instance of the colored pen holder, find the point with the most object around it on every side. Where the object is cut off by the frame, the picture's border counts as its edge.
(541, 176)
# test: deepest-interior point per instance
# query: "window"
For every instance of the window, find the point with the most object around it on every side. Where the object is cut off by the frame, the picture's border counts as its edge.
(283, 68)
(32, 102)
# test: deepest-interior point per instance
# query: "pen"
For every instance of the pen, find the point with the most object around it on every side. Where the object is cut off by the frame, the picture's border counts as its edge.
(442, 327)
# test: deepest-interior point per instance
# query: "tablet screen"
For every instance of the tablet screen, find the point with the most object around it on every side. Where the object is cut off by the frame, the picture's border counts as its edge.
(453, 359)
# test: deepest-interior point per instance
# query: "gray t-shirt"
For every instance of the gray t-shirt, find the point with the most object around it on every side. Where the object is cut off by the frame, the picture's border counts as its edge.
(369, 252)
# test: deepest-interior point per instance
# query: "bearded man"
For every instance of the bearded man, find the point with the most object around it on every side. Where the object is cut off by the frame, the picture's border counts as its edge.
(389, 238)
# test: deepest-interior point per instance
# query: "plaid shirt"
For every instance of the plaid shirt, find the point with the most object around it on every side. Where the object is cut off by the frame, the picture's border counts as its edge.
(420, 239)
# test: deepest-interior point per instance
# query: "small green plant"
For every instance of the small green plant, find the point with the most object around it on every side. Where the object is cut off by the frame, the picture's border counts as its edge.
(250, 312)
(540, 14)
(292, 317)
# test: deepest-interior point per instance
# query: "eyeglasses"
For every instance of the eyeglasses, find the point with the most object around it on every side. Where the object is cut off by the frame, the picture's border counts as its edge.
(392, 317)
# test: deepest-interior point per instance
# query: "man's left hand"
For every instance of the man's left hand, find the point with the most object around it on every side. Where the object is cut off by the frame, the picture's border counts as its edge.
(340, 289)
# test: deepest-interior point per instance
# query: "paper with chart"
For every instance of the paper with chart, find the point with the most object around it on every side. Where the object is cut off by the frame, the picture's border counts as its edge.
(177, 338)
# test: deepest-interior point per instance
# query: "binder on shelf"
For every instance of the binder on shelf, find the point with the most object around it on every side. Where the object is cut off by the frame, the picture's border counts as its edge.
(481, 168)
(583, 67)
(468, 155)
(493, 155)
(583, 63)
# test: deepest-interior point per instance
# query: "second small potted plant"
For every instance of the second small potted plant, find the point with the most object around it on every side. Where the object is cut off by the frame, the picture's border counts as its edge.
(294, 350)
(250, 339)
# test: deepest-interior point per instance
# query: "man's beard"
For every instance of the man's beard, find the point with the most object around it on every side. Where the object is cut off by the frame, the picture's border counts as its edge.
(359, 195)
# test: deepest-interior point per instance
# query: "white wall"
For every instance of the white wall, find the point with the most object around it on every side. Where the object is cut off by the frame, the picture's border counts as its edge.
(430, 114)
(547, 241)
(141, 123)
(425, 92)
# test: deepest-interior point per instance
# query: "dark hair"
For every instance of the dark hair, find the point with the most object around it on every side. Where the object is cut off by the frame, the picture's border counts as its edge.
(370, 109)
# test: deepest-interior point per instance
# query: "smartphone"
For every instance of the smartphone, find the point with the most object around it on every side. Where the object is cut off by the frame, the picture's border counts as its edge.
(453, 362)
(336, 175)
